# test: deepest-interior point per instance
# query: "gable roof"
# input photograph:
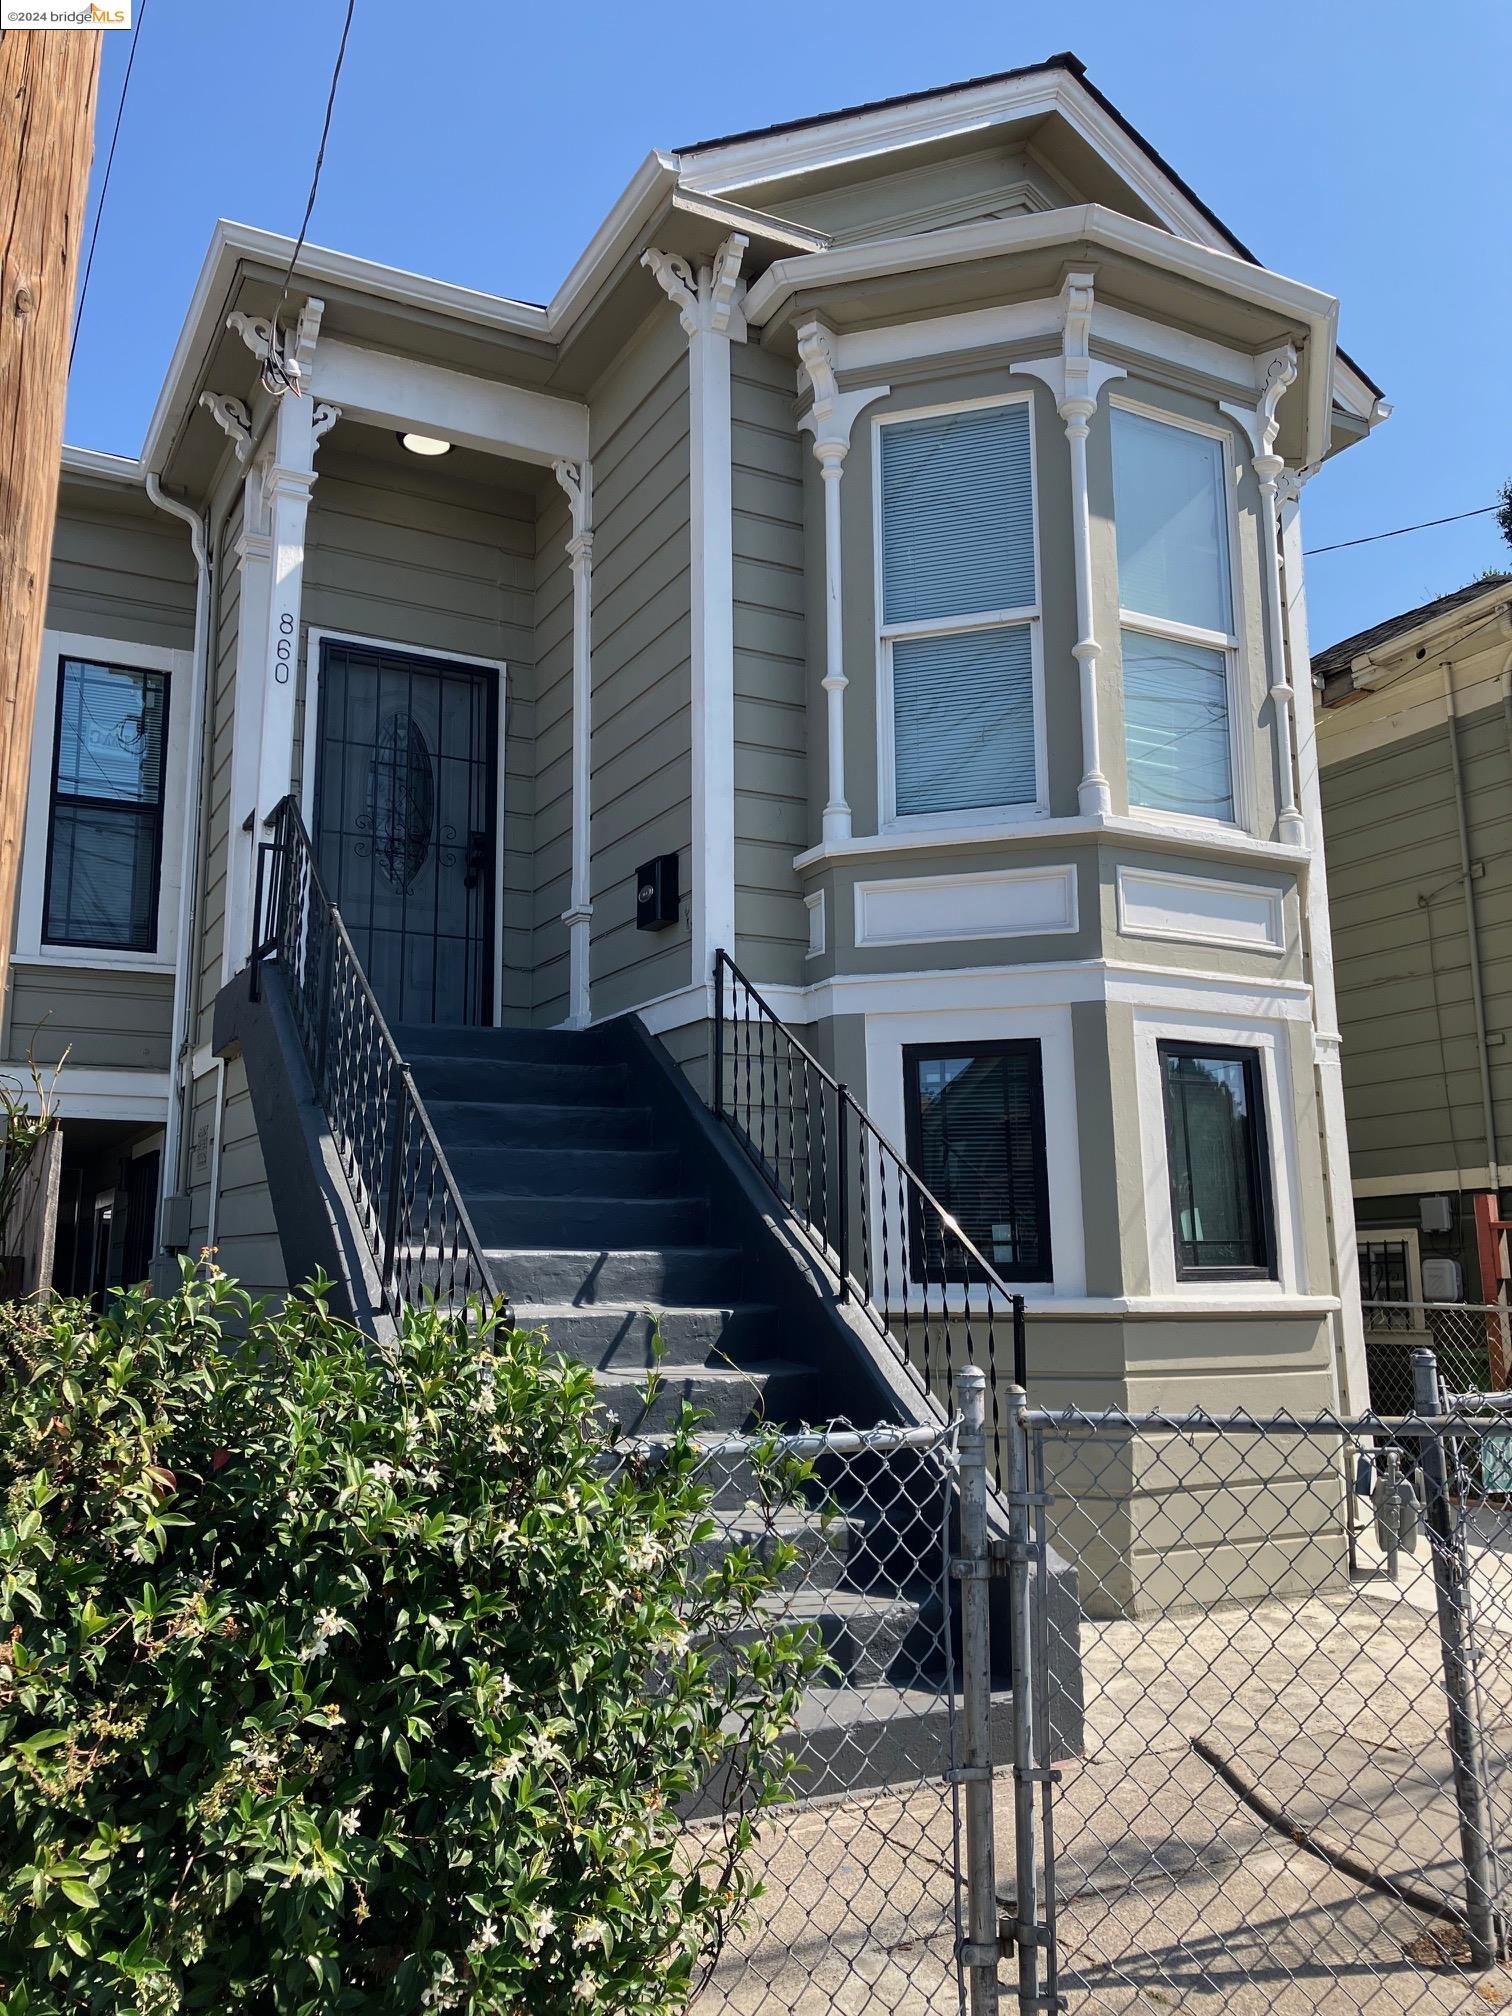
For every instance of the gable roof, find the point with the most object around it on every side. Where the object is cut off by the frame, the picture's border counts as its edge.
(1370, 643)
(1065, 61)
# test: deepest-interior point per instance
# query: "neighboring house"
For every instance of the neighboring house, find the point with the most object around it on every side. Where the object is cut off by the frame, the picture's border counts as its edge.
(1415, 749)
(894, 518)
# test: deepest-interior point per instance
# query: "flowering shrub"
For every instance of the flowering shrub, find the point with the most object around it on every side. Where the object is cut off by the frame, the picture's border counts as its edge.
(337, 1677)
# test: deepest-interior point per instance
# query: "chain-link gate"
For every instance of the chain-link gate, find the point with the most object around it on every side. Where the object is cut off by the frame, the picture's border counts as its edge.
(865, 1900)
(1294, 1787)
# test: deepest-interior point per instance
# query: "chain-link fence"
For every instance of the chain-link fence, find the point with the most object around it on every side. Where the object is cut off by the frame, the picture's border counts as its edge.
(1294, 1792)
(1471, 1340)
(859, 1864)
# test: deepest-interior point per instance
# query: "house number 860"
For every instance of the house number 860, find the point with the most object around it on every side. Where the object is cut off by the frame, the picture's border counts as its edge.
(283, 650)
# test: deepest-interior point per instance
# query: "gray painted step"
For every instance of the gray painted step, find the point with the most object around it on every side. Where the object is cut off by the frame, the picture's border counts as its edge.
(505, 1082)
(543, 1046)
(466, 1123)
(863, 1633)
(729, 1398)
(635, 1174)
(593, 1276)
(613, 1224)
(622, 1336)
(823, 1545)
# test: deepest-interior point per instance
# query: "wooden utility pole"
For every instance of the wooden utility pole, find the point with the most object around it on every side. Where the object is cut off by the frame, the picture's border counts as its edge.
(47, 99)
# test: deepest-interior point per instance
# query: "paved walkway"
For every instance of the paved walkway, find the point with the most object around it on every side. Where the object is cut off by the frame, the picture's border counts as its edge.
(1176, 1894)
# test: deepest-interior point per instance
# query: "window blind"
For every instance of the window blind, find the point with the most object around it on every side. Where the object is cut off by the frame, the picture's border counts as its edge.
(957, 515)
(978, 1140)
(963, 720)
(1176, 726)
(1171, 514)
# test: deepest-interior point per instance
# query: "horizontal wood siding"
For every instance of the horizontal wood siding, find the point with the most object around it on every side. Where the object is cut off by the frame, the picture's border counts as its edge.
(118, 1021)
(120, 568)
(1401, 948)
(429, 560)
(246, 1236)
(642, 716)
(773, 819)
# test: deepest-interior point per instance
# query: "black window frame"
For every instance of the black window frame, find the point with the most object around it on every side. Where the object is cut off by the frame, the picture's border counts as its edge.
(913, 1125)
(1262, 1194)
(88, 803)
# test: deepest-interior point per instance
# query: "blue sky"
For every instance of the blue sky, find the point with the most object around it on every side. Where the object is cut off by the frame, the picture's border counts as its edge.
(1358, 145)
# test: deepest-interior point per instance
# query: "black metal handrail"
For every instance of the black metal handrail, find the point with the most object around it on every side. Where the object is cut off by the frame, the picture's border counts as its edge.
(418, 1230)
(892, 1246)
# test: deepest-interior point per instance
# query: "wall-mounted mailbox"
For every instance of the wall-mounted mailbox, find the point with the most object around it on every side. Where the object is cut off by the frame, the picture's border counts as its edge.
(656, 893)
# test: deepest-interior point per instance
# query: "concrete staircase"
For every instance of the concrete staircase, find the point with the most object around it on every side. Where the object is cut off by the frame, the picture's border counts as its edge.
(610, 1223)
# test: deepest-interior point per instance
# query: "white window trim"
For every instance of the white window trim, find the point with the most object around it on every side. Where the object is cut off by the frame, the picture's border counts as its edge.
(999, 818)
(889, 1034)
(30, 947)
(1398, 1235)
(1267, 1037)
(1231, 643)
(315, 636)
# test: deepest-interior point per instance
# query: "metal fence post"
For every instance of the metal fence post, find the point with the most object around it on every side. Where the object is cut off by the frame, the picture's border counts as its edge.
(1026, 1917)
(1450, 1579)
(980, 1951)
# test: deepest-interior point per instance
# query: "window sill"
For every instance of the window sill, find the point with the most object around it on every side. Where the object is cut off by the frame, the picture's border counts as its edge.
(1202, 841)
(93, 959)
(1205, 1303)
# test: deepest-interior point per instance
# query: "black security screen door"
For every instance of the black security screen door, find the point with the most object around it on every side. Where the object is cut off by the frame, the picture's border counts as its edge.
(406, 788)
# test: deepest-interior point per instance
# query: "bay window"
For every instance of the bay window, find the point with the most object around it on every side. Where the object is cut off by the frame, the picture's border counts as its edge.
(1221, 1206)
(960, 610)
(975, 1126)
(1176, 614)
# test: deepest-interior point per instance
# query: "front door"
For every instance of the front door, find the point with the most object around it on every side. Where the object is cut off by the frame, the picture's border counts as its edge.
(405, 817)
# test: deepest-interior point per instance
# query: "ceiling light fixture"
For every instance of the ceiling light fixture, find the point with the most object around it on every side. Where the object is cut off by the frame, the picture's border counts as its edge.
(424, 444)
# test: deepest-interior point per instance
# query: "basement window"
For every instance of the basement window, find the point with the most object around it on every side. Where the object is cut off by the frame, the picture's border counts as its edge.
(1221, 1210)
(105, 832)
(976, 1135)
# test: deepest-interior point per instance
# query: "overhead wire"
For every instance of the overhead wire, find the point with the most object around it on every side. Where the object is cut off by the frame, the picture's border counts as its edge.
(115, 135)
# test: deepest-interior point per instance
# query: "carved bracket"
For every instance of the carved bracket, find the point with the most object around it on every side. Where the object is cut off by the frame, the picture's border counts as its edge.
(1260, 421)
(322, 420)
(1076, 378)
(294, 354)
(707, 301)
(576, 479)
(833, 413)
(231, 416)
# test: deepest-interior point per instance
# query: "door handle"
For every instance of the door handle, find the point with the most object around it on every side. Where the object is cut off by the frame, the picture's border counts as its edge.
(476, 860)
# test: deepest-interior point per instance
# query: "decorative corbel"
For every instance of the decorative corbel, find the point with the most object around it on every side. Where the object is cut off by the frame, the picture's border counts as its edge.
(1261, 423)
(830, 418)
(256, 331)
(294, 353)
(1076, 379)
(708, 301)
(231, 416)
(576, 480)
(322, 420)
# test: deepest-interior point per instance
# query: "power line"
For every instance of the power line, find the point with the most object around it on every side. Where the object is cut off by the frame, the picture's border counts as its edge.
(1481, 511)
(272, 368)
(105, 181)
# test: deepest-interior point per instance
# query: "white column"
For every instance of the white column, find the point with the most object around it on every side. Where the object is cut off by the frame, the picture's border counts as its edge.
(708, 304)
(1262, 426)
(1076, 379)
(576, 478)
(1353, 1378)
(270, 555)
(830, 419)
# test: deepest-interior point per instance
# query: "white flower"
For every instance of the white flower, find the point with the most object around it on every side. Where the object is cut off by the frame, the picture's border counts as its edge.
(540, 1928)
(545, 1749)
(350, 1821)
(591, 1932)
(506, 1769)
(383, 1473)
(644, 1555)
(585, 1988)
